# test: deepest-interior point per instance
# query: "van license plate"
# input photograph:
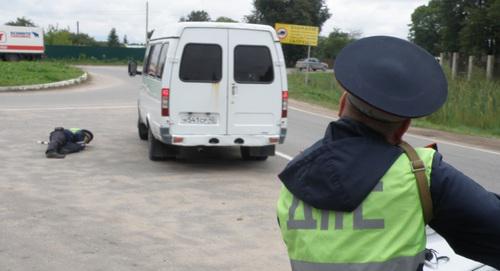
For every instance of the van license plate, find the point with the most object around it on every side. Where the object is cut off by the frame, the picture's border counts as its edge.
(199, 118)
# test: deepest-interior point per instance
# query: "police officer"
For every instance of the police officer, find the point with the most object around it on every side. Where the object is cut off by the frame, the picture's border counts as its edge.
(359, 198)
(65, 141)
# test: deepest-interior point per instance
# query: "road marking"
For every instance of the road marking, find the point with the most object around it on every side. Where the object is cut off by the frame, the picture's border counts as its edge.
(282, 155)
(312, 113)
(68, 108)
(453, 144)
(440, 141)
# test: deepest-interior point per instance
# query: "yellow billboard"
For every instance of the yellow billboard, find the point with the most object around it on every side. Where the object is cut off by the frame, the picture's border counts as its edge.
(297, 34)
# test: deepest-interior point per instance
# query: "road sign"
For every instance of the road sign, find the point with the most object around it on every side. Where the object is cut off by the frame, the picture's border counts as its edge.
(297, 34)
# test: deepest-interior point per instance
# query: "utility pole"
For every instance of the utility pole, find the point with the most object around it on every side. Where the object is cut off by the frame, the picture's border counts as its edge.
(147, 19)
(77, 27)
(308, 64)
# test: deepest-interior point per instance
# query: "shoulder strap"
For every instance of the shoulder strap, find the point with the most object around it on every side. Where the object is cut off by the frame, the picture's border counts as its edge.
(418, 168)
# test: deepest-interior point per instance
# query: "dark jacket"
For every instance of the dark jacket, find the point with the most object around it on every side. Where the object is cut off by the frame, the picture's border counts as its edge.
(65, 141)
(338, 172)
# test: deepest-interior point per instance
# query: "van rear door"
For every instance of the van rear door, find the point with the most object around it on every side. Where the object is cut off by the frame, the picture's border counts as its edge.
(255, 89)
(199, 85)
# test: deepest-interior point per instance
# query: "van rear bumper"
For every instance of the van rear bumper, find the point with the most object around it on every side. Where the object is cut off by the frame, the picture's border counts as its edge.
(222, 140)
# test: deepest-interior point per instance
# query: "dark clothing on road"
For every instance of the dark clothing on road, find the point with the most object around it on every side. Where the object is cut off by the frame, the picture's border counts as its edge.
(64, 141)
(338, 172)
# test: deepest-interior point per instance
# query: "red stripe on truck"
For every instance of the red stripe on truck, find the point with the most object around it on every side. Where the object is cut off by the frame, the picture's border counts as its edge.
(22, 47)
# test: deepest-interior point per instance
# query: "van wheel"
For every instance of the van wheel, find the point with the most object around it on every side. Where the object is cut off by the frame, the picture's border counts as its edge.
(142, 129)
(159, 151)
(246, 155)
(155, 148)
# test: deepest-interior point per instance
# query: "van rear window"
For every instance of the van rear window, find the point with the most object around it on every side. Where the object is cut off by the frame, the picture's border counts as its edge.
(154, 53)
(253, 64)
(163, 60)
(201, 63)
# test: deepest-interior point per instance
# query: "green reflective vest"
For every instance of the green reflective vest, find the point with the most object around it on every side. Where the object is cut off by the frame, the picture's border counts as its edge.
(74, 130)
(385, 232)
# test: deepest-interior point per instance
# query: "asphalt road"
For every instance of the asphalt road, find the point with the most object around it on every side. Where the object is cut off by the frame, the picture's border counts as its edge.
(110, 208)
(478, 162)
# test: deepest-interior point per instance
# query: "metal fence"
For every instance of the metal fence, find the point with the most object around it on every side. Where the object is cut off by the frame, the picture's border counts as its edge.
(88, 52)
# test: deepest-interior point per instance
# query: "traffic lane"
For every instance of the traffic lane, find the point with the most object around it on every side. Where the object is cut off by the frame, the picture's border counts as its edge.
(305, 128)
(481, 166)
(106, 86)
(110, 208)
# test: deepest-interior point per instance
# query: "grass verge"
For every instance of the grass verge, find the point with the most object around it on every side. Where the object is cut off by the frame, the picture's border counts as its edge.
(473, 107)
(35, 72)
(322, 89)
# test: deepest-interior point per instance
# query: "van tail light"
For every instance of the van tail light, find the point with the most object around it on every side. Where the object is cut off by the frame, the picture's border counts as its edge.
(284, 104)
(178, 139)
(274, 140)
(165, 96)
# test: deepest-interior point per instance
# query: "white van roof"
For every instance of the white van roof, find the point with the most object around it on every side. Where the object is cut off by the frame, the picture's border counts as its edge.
(176, 30)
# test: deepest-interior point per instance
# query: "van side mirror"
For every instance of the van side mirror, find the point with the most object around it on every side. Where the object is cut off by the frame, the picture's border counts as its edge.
(132, 68)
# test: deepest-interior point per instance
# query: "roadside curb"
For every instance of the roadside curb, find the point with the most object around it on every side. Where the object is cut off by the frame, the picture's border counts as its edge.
(64, 83)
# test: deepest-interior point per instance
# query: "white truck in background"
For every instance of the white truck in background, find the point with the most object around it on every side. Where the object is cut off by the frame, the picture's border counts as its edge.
(21, 43)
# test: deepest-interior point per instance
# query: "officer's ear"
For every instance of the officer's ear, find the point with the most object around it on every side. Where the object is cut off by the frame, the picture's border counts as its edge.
(343, 100)
(403, 128)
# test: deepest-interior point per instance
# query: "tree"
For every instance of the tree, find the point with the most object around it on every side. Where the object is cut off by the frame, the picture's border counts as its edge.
(125, 41)
(22, 22)
(481, 27)
(113, 40)
(329, 47)
(56, 36)
(437, 25)
(469, 26)
(304, 12)
(223, 19)
(494, 15)
(425, 27)
(451, 14)
(82, 39)
(196, 16)
(475, 32)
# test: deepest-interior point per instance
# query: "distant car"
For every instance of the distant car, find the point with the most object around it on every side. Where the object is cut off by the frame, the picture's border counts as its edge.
(314, 64)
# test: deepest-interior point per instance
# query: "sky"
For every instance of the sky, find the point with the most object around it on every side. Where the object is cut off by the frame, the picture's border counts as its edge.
(97, 17)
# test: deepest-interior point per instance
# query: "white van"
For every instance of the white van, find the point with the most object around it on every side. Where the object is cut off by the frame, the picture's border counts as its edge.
(213, 84)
